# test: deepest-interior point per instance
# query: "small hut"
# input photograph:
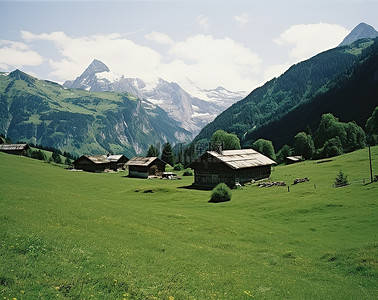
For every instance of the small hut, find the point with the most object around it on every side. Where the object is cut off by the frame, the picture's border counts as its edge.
(231, 167)
(17, 149)
(100, 163)
(143, 167)
(294, 159)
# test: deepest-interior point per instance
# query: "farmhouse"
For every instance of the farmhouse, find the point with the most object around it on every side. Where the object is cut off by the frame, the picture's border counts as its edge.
(18, 149)
(100, 163)
(230, 167)
(142, 167)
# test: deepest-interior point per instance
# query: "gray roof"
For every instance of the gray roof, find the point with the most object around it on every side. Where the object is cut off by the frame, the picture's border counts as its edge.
(242, 158)
(141, 161)
(13, 147)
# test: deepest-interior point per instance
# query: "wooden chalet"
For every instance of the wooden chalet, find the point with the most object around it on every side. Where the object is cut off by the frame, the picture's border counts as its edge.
(100, 163)
(143, 167)
(231, 167)
(18, 149)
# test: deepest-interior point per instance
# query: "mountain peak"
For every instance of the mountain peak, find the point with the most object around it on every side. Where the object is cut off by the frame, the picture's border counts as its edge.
(96, 66)
(19, 75)
(361, 31)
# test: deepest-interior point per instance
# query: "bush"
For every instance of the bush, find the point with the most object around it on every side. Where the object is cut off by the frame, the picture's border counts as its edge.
(187, 173)
(221, 193)
(341, 180)
(178, 167)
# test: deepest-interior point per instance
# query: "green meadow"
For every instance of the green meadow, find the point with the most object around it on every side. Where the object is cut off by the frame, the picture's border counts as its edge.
(77, 235)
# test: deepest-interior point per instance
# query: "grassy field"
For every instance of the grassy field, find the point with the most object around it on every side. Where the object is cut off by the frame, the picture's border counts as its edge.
(76, 235)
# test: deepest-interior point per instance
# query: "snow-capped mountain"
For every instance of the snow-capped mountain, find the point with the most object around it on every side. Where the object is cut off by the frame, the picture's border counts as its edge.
(193, 113)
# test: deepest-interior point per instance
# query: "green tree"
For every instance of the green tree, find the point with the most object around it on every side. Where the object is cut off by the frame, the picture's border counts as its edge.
(152, 151)
(332, 148)
(372, 128)
(264, 147)
(230, 141)
(304, 145)
(56, 157)
(167, 154)
(283, 153)
(329, 127)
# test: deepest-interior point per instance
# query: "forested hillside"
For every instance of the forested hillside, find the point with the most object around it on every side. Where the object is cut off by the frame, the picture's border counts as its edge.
(80, 122)
(351, 97)
(301, 85)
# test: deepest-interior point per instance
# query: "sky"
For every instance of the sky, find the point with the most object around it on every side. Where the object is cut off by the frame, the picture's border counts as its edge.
(236, 44)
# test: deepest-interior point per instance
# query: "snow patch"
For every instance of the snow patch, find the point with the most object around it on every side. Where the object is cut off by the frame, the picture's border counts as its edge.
(112, 77)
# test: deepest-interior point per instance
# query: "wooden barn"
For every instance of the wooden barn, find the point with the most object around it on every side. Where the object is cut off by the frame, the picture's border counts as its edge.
(18, 149)
(231, 167)
(100, 163)
(142, 167)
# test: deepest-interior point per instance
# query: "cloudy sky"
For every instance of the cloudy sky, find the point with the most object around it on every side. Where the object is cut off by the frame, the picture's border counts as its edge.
(235, 44)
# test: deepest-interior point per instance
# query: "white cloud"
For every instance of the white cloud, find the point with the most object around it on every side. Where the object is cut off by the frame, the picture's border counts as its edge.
(209, 62)
(120, 54)
(17, 55)
(203, 21)
(159, 37)
(307, 40)
(242, 19)
(198, 61)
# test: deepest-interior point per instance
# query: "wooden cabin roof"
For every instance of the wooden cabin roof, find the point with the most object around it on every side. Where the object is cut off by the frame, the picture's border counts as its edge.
(142, 161)
(14, 147)
(242, 158)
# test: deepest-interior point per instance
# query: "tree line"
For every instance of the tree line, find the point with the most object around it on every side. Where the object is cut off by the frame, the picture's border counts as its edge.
(331, 138)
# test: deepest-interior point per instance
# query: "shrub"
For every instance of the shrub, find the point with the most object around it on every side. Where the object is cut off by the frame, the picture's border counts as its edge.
(341, 179)
(187, 173)
(178, 167)
(221, 193)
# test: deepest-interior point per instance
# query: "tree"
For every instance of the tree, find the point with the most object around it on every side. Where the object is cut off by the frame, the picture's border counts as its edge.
(341, 179)
(332, 148)
(167, 154)
(265, 147)
(283, 153)
(304, 145)
(329, 127)
(56, 157)
(372, 128)
(152, 151)
(230, 141)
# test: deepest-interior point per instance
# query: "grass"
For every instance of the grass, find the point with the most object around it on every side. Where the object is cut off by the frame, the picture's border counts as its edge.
(77, 235)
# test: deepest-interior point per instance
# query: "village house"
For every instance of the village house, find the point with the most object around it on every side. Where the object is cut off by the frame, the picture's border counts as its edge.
(231, 167)
(100, 163)
(18, 149)
(143, 167)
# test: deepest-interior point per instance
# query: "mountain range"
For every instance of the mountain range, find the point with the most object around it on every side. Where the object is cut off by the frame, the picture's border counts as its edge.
(81, 122)
(285, 105)
(192, 113)
(131, 114)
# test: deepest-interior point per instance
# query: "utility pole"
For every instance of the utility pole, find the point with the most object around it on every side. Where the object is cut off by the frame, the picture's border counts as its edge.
(371, 169)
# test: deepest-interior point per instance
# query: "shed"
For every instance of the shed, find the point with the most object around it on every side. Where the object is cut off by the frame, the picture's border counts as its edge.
(142, 167)
(294, 159)
(100, 163)
(231, 167)
(18, 149)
